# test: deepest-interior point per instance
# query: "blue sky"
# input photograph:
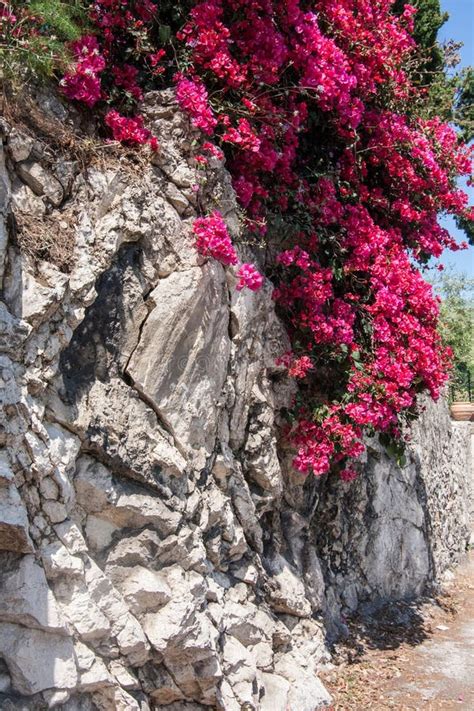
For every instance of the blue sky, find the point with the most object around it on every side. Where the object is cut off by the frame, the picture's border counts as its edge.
(460, 27)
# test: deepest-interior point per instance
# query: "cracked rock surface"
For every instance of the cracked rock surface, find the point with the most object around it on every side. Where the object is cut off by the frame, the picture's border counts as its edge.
(156, 549)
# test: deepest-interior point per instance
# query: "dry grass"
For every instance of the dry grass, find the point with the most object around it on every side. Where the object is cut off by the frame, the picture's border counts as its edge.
(19, 106)
(80, 138)
(51, 237)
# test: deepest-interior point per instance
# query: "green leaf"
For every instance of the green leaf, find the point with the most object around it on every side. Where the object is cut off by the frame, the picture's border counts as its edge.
(164, 33)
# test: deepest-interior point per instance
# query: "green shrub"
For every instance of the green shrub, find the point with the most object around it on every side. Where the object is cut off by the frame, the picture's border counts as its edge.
(34, 36)
(457, 328)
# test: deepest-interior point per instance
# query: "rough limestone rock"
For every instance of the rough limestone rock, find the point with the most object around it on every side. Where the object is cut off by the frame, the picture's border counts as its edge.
(156, 549)
(26, 598)
(14, 526)
(37, 661)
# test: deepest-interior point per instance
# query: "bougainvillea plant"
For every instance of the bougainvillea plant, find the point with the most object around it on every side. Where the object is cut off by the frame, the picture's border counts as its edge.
(312, 104)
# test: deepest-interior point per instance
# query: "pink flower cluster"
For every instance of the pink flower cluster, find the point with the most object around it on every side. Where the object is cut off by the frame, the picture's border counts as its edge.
(213, 240)
(242, 136)
(249, 277)
(313, 106)
(126, 78)
(123, 30)
(297, 367)
(192, 97)
(83, 82)
(320, 446)
(129, 130)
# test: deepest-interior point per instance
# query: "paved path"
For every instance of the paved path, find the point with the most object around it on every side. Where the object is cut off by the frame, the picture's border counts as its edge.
(440, 673)
(424, 661)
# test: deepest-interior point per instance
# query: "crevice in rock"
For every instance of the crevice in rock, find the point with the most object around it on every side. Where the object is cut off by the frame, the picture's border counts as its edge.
(117, 467)
(149, 306)
(128, 380)
(162, 421)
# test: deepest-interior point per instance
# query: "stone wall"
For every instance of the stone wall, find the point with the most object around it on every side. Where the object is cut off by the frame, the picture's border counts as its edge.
(156, 549)
(397, 529)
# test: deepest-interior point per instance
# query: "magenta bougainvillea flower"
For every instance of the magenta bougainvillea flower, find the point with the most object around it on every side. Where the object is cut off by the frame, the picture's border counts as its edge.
(313, 106)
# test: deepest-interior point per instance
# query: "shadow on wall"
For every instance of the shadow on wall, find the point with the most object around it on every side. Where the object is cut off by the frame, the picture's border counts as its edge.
(374, 537)
(97, 349)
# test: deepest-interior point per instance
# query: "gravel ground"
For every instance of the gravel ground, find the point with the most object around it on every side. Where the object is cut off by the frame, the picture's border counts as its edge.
(410, 657)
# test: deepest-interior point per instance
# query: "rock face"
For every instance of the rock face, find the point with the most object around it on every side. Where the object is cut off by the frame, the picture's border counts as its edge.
(156, 549)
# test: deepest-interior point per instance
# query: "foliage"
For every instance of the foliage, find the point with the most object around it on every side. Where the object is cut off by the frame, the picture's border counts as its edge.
(450, 92)
(34, 35)
(457, 325)
(464, 104)
(428, 21)
(335, 155)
